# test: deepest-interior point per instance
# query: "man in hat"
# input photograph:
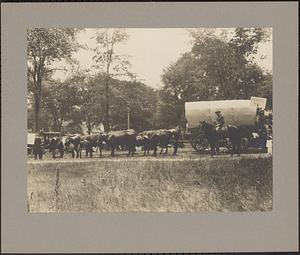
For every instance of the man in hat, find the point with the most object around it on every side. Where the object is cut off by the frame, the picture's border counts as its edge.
(220, 121)
(38, 148)
(261, 128)
(261, 120)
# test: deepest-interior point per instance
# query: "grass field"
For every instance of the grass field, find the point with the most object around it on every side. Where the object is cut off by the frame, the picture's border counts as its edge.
(151, 185)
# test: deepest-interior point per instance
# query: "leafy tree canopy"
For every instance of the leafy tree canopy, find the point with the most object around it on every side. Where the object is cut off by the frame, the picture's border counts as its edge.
(216, 68)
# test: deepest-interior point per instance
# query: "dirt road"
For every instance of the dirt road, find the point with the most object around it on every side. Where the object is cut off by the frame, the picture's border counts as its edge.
(183, 154)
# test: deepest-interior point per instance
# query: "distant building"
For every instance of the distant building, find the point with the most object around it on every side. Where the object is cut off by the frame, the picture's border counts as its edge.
(95, 129)
(98, 128)
(70, 127)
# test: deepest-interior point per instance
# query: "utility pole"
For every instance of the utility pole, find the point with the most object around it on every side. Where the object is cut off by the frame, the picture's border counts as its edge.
(128, 116)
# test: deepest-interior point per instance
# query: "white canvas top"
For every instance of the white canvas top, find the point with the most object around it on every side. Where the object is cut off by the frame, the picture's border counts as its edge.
(235, 112)
(30, 138)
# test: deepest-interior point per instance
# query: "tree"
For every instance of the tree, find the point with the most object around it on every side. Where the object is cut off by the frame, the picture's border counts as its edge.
(81, 100)
(142, 101)
(90, 105)
(109, 61)
(169, 112)
(215, 69)
(209, 72)
(229, 63)
(246, 41)
(266, 89)
(45, 46)
(58, 101)
(139, 98)
(181, 84)
(220, 67)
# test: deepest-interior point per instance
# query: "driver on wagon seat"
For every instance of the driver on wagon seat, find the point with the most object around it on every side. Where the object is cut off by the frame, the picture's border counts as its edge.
(220, 121)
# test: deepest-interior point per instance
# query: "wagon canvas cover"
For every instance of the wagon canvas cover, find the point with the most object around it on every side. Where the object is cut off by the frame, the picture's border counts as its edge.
(235, 112)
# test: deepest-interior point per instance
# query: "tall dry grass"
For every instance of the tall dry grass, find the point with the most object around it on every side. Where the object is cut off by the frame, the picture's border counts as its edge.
(217, 184)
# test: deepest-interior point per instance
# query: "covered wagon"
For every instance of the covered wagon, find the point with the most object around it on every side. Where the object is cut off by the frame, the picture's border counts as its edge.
(240, 113)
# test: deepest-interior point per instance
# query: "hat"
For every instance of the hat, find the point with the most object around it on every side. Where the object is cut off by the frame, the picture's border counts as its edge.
(218, 111)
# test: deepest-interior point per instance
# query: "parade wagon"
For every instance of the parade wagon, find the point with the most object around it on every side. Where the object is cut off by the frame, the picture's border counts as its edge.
(240, 113)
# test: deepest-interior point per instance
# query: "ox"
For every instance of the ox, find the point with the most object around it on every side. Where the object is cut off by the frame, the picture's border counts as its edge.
(73, 143)
(56, 144)
(88, 143)
(151, 139)
(122, 138)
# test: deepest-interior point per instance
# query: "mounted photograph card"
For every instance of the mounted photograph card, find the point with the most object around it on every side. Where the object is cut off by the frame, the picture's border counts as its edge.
(144, 124)
(82, 79)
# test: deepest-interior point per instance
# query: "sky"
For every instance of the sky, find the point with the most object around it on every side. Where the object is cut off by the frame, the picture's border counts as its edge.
(152, 50)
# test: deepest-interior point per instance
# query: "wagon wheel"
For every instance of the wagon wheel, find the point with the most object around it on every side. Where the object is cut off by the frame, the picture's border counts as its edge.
(244, 144)
(227, 144)
(199, 143)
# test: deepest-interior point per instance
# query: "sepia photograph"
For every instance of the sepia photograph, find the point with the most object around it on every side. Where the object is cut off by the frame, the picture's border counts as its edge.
(149, 119)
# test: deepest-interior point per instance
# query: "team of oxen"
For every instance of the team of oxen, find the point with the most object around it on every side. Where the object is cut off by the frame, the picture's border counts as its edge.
(115, 140)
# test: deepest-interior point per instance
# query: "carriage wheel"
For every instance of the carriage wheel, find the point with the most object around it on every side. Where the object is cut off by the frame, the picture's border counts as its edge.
(244, 144)
(227, 144)
(199, 143)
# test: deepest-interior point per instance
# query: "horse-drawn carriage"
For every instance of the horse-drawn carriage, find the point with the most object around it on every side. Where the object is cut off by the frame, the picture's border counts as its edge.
(47, 136)
(238, 113)
(42, 138)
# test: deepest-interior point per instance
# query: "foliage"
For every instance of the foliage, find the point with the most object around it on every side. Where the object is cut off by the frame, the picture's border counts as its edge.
(141, 101)
(44, 46)
(58, 101)
(216, 69)
(80, 101)
(108, 61)
(106, 57)
(89, 106)
(265, 89)
(246, 41)
(219, 66)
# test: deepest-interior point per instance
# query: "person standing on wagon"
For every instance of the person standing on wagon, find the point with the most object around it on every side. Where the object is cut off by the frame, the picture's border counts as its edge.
(261, 128)
(220, 121)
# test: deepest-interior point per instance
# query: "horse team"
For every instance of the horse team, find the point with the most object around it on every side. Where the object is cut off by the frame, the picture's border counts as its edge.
(115, 140)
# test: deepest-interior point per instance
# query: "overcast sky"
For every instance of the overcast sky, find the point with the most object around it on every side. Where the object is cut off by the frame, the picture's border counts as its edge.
(152, 50)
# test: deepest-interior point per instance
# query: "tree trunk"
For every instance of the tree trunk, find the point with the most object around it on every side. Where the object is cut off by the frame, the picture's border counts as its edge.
(179, 121)
(37, 79)
(37, 102)
(37, 105)
(245, 83)
(107, 124)
(89, 127)
(61, 120)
